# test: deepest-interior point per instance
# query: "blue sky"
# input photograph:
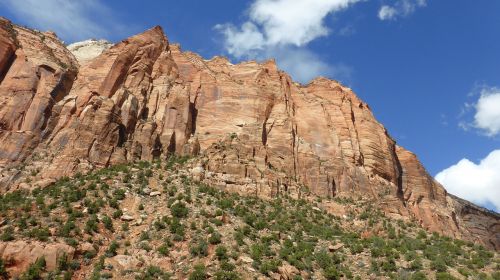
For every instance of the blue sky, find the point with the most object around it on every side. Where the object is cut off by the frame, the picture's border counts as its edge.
(429, 69)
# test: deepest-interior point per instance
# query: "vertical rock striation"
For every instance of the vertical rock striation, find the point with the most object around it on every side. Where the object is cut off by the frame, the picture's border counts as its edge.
(144, 98)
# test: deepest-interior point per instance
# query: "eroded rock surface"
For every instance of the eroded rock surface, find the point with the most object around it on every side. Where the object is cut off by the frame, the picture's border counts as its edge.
(144, 98)
(89, 49)
(18, 255)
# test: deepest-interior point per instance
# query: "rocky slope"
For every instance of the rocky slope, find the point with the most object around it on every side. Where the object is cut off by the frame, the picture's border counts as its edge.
(255, 129)
(161, 220)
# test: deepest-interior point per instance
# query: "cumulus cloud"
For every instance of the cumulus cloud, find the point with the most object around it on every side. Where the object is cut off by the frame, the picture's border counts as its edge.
(387, 12)
(305, 65)
(71, 20)
(247, 41)
(400, 8)
(486, 112)
(487, 117)
(479, 183)
(282, 29)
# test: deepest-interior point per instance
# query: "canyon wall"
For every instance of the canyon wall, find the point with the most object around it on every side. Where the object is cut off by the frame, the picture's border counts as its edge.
(144, 99)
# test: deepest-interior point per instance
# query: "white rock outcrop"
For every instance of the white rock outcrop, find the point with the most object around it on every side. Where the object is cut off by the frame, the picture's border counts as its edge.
(89, 49)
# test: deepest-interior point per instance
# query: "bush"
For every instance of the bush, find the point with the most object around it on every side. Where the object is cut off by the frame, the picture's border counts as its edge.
(164, 249)
(389, 265)
(226, 275)
(179, 210)
(198, 273)
(439, 265)
(91, 225)
(418, 276)
(221, 252)
(41, 234)
(111, 252)
(117, 214)
(119, 194)
(35, 270)
(176, 227)
(108, 223)
(323, 259)
(3, 271)
(269, 266)
(62, 262)
(444, 276)
(215, 238)
(238, 236)
(66, 229)
(199, 248)
(331, 273)
(144, 236)
(153, 273)
(7, 234)
(416, 264)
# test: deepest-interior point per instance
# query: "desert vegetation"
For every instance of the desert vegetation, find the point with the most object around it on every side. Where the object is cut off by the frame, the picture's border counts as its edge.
(166, 225)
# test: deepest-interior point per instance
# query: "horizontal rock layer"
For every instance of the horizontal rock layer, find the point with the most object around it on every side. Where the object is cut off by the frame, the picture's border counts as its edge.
(144, 98)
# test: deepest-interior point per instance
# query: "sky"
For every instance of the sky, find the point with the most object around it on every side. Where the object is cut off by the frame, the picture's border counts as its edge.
(429, 69)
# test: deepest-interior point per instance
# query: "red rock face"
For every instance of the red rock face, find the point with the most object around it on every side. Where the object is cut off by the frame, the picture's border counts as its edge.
(37, 71)
(145, 98)
(20, 254)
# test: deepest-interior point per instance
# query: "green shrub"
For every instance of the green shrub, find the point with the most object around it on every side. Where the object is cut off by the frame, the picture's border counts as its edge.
(164, 249)
(221, 252)
(418, 276)
(215, 238)
(439, 265)
(269, 266)
(226, 275)
(199, 248)
(153, 273)
(111, 251)
(117, 214)
(7, 234)
(444, 276)
(331, 273)
(416, 264)
(41, 234)
(198, 273)
(176, 227)
(108, 223)
(62, 262)
(119, 194)
(144, 236)
(323, 259)
(3, 271)
(179, 210)
(35, 270)
(91, 225)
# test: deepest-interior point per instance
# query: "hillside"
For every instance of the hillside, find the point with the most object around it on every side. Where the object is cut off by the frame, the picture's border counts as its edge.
(158, 221)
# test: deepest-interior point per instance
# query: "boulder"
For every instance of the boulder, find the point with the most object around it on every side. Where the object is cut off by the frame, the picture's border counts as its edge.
(20, 254)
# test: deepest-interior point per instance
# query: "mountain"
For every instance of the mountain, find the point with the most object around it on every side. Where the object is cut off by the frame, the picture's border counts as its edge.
(250, 128)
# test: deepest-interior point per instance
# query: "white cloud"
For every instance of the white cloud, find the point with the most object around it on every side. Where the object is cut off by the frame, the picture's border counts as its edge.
(305, 65)
(71, 20)
(479, 183)
(244, 41)
(387, 12)
(487, 117)
(282, 29)
(400, 8)
(294, 22)
(486, 111)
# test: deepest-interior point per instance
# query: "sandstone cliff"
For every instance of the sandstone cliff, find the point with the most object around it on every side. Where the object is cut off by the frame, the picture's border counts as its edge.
(262, 133)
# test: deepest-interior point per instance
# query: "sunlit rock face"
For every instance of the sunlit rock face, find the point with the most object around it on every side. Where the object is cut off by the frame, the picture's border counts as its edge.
(89, 49)
(63, 112)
